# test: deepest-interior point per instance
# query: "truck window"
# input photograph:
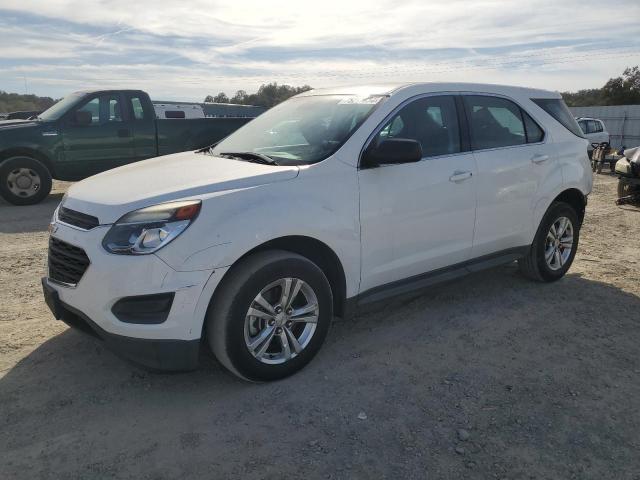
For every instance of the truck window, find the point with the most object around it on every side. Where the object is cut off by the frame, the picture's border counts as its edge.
(115, 113)
(93, 107)
(103, 109)
(137, 109)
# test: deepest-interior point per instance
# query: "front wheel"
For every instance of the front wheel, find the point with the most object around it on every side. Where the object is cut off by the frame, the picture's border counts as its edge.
(554, 246)
(270, 315)
(24, 180)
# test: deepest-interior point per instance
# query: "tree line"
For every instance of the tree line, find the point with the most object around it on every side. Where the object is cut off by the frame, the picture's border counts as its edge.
(622, 90)
(13, 102)
(268, 95)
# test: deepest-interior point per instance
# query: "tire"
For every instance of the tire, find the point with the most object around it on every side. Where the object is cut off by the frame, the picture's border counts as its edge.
(534, 265)
(624, 189)
(230, 329)
(24, 180)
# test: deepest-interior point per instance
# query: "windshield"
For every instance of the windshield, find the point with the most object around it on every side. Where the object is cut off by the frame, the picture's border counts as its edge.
(60, 108)
(301, 130)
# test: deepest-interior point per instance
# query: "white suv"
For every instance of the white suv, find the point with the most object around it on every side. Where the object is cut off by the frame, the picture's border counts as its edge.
(252, 246)
(594, 131)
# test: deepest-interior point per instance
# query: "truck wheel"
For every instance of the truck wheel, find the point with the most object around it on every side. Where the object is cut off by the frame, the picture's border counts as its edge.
(554, 246)
(24, 180)
(270, 315)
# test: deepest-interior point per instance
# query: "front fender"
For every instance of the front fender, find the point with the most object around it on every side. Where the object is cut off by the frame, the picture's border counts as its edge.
(317, 204)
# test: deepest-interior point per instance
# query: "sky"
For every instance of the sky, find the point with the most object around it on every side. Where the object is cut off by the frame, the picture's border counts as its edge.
(185, 50)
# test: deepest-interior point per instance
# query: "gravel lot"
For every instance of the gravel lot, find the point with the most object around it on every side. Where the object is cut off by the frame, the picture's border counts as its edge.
(488, 377)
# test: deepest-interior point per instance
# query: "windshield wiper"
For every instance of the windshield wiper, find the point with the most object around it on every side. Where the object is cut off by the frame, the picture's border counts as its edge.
(250, 157)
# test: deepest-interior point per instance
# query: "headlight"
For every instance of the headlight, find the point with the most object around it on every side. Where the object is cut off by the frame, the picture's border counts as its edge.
(149, 229)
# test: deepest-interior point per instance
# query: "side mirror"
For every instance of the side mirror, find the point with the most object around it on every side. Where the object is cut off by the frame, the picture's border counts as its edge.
(83, 117)
(392, 151)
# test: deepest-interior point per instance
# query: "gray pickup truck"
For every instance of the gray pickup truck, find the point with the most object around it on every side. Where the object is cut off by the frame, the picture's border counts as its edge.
(89, 132)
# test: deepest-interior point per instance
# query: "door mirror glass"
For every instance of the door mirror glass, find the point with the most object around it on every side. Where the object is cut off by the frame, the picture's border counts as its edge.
(392, 151)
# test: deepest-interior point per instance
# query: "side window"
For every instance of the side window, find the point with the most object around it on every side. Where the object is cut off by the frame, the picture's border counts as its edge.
(583, 126)
(534, 133)
(432, 121)
(114, 112)
(494, 122)
(101, 110)
(136, 108)
(91, 109)
(599, 126)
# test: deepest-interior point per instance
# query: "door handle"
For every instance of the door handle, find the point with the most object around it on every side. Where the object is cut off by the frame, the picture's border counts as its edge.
(123, 132)
(539, 158)
(459, 176)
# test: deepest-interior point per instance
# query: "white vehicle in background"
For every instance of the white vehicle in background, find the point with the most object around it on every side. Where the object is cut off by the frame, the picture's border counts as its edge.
(594, 131)
(178, 110)
(329, 201)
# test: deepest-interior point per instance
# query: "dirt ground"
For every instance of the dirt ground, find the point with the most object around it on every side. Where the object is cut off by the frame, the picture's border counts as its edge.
(489, 377)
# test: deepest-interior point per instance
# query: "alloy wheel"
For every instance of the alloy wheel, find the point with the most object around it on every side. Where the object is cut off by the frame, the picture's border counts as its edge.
(281, 320)
(559, 243)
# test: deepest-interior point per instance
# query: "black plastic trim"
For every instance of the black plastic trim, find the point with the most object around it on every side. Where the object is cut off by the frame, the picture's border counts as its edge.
(144, 309)
(421, 281)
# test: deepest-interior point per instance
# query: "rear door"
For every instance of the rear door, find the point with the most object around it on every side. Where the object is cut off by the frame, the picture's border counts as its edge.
(104, 142)
(513, 158)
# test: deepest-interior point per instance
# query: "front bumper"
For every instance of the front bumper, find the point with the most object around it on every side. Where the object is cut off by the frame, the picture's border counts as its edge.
(165, 355)
(169, 342)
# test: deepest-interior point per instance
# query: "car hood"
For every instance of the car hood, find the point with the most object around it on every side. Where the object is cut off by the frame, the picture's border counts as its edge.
(111, 194)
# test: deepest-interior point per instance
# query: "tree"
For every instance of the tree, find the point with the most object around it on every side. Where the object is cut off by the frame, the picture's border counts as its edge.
(12, 102)
(221, 98)
(268, 95)
(623, 90)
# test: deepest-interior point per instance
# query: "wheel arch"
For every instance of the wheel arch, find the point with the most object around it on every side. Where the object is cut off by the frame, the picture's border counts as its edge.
(28, 152)
(314, 250)
(575, 198)
(319, 253)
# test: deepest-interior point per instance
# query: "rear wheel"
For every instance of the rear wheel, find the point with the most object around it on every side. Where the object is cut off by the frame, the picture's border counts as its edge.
(554, 246)
(24, 180)
(270, 315)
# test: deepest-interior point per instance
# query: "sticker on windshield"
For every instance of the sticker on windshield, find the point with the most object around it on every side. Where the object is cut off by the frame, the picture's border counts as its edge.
(352, 100)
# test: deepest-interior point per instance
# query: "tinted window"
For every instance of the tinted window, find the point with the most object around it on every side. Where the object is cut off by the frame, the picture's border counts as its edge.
(494, 122)
(583, 125)
(598, 126)
(558, 110)
(103, 109)
(532, 129)
(136, 108)
(114, 112)
(432, 121)
(93, 107)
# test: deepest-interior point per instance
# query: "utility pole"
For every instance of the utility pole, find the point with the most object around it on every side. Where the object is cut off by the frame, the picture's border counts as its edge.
(26, 92)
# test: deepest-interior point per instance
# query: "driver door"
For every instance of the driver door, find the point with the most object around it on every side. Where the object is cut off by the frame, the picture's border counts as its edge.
(418, 217)
(102, 143)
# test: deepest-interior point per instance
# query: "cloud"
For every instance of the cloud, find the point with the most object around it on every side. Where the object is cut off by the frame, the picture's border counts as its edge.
(189, 49)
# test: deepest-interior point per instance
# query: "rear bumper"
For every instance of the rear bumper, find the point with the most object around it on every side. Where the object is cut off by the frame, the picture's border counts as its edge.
(157, 354)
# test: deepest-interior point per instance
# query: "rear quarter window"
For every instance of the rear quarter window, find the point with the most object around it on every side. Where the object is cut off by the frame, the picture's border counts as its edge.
(559, 111)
